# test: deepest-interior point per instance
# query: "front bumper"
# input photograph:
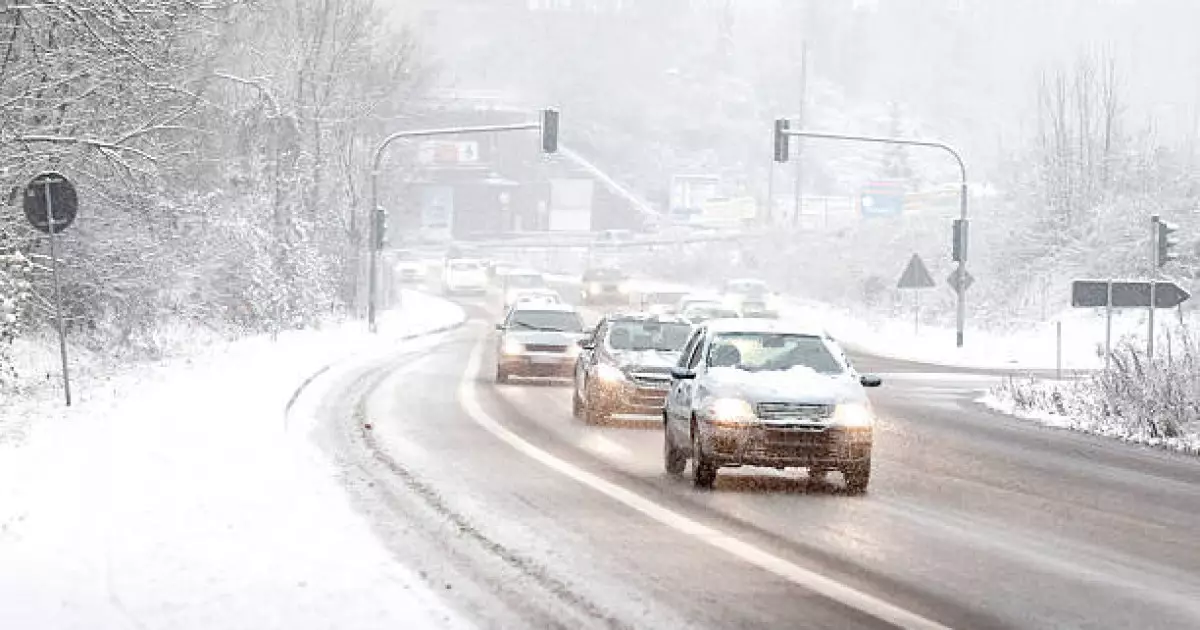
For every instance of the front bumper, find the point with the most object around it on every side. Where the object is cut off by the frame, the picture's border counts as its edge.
(629, 397)
(604, 295)
(538, 365)
(833, 447)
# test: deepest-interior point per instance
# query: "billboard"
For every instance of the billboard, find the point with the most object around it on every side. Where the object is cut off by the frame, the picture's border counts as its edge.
(689, 193)
(882, 199)
(570, 208)
(728, 211)
(437, 212)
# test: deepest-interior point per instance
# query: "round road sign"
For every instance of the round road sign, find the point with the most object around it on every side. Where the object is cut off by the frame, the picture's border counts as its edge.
(60, 195)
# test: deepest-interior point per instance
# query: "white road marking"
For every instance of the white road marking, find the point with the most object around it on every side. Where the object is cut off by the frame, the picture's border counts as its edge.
(606, 448)
(755, 556)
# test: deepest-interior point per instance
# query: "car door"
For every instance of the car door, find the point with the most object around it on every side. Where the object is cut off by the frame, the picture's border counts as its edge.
(587, 358)
(677, 409)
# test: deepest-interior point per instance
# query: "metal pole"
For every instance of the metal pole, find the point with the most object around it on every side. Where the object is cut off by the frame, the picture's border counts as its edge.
(1108, 313)
(770, 193)
(960, 289)
(373, 237)
(62, 331)
(1058, 350)
(1153, 274)
(916, 311)
(798, 188)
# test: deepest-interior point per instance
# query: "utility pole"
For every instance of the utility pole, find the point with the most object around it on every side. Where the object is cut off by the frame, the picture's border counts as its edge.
(799, 187)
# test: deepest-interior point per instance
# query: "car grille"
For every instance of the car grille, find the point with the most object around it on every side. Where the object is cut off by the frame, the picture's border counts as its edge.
(652, 380)
(802, 414)
(542, 347)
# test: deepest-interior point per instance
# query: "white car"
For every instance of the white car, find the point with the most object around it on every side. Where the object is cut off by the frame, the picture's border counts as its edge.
(518, 280)
(533, 296)
(464, 275)
(539, 341)
(409, 268)
(764, 392)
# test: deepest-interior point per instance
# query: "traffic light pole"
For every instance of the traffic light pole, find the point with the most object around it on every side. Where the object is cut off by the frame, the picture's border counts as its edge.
(1154, 228)
(375, 238)
(961, 273)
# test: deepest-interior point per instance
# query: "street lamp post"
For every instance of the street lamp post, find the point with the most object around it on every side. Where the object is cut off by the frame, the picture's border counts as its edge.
(376, 165)
(961, 273)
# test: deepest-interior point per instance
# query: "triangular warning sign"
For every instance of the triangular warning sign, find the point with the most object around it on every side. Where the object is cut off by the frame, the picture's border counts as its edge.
(916, 276)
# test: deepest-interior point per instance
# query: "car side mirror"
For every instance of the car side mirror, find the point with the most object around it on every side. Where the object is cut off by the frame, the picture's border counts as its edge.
(500, 326)
(586, 344)
(870, 380)
(682, 374)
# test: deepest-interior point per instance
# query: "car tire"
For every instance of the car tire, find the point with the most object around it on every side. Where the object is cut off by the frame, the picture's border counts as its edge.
(674, 458)
(501, 375)
(704, 472)
(858, 476)
(576, 405)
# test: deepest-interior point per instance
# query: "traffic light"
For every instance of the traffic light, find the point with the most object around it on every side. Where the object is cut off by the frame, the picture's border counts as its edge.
(379, 231)
(1163, 231)
(958, 252)
(781, 140)
(549, 131)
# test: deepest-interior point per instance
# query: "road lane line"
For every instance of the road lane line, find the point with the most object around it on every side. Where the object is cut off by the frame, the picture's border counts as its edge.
(805, 578)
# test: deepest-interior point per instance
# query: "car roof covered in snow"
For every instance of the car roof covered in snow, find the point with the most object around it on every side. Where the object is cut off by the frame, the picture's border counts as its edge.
(646, 316)
(544, 306)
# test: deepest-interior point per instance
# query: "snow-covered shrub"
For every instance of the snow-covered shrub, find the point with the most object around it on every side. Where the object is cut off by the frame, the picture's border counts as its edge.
(1153, 401)
(15, 292)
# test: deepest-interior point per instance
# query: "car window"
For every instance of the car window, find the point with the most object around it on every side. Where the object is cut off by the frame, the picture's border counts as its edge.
(556, 321)
(647, 335)
(774, 352)
(687, 350)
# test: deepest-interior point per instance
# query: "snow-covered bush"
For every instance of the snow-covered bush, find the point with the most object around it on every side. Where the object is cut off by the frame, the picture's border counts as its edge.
(15, 292)
(1150, 401)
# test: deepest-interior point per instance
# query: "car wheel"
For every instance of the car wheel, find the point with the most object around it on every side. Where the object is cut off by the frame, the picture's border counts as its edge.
(704, 472)
(501, 375)
(674, 459)
(576, 405)
(857, 477)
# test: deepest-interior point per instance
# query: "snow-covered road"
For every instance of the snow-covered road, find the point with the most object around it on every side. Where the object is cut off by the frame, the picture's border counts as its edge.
(179, 498)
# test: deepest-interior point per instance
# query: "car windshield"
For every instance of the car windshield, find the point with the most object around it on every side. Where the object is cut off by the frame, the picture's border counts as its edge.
(555, 321)
(598, 275)
(751, 288)
(648, 335)
(755, 351)
(709, 312)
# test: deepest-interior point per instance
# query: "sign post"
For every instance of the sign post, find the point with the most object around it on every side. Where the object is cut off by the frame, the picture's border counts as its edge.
(916, 277)
(1110, 294)
(50, 206)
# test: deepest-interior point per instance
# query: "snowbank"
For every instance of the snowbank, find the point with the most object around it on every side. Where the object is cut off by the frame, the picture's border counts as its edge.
(173, 497)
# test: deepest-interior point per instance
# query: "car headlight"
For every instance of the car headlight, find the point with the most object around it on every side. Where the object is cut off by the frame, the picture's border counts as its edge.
(732, 412)
(609, 374)
(623, 288)
(512, 346)
(593, 288)
(853, 415)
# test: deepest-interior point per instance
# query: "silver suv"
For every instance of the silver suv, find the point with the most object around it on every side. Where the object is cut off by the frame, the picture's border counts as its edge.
(538, 340)
(759, 392)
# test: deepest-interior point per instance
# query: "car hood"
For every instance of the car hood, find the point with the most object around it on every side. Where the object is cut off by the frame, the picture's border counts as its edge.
(543, 337)
(648, 360)
(798, 385)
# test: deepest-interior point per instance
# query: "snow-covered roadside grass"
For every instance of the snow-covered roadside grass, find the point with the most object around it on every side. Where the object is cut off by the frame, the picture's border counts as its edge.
(172, 496)
(1152, 403)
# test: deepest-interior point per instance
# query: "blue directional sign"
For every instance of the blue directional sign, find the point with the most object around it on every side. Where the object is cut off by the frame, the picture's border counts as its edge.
(881, 199)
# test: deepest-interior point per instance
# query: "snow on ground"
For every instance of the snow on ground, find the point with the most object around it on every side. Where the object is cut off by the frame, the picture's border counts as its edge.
(172, 496)
(1066, 406)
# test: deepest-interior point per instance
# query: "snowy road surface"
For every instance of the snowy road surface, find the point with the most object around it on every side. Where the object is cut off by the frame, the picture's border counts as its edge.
(183, 498)
(973, 520)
